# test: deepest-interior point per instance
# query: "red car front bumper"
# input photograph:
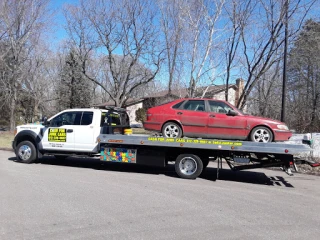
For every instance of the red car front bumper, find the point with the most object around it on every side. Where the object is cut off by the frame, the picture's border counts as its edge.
(282, 135)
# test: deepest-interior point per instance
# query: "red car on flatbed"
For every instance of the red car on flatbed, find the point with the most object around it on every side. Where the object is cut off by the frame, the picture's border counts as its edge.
(209, 118)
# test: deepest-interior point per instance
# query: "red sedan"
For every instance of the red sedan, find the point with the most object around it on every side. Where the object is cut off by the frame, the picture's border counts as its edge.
(208, 118)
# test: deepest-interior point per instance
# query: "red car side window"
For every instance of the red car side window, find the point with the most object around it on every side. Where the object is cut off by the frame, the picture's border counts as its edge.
(219, 107)
(194, 105)
(178, 105)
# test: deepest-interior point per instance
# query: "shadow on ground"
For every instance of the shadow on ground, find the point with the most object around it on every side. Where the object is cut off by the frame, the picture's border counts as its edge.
(209, 174)
(245, 177)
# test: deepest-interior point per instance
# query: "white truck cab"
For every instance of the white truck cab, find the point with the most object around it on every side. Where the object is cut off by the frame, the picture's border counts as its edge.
(70, 132)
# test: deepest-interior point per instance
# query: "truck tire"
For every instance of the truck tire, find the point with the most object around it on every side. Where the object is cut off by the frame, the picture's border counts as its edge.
(188, 166)
(26, 152)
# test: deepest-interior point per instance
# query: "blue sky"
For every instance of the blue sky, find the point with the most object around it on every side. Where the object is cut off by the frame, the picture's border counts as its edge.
(58, 32)
(58, 19)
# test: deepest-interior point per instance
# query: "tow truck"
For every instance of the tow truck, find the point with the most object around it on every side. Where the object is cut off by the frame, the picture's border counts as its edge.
(106, 133)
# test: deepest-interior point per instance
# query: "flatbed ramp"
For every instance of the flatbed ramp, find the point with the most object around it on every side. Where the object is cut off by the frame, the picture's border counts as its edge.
(191, 156)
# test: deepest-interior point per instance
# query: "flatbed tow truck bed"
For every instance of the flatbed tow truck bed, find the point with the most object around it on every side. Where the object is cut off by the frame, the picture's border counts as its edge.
(192, 156)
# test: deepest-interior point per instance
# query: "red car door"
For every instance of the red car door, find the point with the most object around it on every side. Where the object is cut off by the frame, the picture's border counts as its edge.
(223, 126)
(194, 118)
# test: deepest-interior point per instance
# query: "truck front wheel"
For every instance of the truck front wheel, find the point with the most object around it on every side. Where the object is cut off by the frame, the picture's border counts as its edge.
(26, 152)
(188, 166)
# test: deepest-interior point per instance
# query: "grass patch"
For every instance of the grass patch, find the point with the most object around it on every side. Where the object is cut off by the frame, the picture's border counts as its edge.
(6, 138)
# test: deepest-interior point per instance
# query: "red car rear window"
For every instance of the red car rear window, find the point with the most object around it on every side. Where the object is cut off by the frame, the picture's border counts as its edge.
(177, 105)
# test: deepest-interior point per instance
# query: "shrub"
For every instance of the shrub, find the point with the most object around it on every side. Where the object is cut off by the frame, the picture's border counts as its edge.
(141, 115)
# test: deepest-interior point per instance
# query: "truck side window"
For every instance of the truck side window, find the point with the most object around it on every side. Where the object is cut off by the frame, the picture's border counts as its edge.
(86, 118)
(125, 119)
(103, 118)
(115, 119)
(66, 118)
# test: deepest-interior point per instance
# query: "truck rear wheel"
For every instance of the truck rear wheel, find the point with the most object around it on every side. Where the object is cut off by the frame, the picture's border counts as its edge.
(26, 152)
(188, 166)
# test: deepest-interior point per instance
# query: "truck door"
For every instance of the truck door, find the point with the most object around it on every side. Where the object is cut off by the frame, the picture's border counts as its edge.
(85, 140)
(60, 134)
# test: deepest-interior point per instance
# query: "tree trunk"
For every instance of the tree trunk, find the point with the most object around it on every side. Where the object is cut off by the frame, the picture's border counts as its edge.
(13, 109)
(36, 116)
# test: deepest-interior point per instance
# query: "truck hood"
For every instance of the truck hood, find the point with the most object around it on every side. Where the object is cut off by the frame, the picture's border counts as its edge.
(33, 127)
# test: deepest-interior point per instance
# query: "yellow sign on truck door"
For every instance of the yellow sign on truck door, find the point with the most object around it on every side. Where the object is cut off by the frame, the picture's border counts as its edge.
(57, 135)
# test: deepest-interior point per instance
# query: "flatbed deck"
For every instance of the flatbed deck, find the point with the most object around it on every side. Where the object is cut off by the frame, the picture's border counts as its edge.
(191, 155)
(208, 144)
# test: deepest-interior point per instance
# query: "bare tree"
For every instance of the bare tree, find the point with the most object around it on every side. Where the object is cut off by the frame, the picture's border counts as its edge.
(22, 21)
(126, 36)
(172, 28)
(265, 36)
(304, 79)
(81, 40)
(201, 18)
(38, 84)
(237, 13)
(265, 99)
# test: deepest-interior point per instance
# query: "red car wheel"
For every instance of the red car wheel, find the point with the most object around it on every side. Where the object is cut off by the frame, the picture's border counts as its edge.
(261, 134)
(171, 130)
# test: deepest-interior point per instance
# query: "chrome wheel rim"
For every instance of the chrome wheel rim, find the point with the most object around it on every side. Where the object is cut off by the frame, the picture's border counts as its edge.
(261, 135)
(171, 131)
(188, 166)
(24, 152)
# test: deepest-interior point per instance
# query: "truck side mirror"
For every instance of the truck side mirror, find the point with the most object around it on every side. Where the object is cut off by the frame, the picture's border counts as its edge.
(45, 121)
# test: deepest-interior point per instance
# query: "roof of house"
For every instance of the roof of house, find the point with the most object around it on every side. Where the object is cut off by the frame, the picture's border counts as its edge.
(182, 93)
(129, 102)
(178, 93)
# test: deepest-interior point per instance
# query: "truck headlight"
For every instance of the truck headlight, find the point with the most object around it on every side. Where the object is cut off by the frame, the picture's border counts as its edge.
(282, 127)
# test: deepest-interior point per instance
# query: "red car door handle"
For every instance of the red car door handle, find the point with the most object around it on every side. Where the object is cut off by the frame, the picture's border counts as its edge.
(179, 113)
(212, 115)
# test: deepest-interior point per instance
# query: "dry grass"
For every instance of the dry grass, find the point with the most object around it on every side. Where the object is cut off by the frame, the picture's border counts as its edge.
(305, 168)
(6, 138)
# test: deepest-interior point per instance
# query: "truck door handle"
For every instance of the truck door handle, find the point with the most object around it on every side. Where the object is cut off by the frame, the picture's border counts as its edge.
(179, 113)
(69, 130)
(212, 115)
